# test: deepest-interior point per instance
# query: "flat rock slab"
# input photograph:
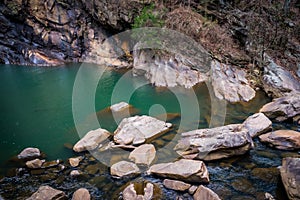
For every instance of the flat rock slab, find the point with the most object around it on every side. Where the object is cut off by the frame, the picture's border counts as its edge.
(283, 108)
(290, 175)
(215, 143)
(205, 193)
(176, 185)
(48, 193)
(91, 140)
(29, 153)
(282, 139)
(124, 168)
(186, 170)
(136, 130)
(143, 154)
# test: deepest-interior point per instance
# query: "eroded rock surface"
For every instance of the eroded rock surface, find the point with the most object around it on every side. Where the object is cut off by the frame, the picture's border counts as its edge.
(283, 108)
(136, 130)
(91, 140)
(290, 171)
(282, 139)
(230, 83)
(186, 170)
(48, 193)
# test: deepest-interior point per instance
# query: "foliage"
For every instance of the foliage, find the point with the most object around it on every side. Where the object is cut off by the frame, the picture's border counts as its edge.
(148, 17)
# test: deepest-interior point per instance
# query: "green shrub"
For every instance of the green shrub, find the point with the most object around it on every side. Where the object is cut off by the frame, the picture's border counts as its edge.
(148, 18)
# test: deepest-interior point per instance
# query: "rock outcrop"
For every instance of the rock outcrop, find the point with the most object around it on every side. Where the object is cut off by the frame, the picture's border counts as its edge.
(136, 130)
(91, 140)
(277, 81)
(143, 154)
(230, 83)
(29, 153)
(290, 171)
(224, 141)
(283, 108)
(48, 193)
(186, 170)
(282, 139)
(205, 193)
(124, 168)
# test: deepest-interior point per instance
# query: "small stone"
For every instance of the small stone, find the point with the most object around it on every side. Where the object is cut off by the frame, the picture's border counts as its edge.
(35, 164)
(91, 140)
(119, 107)
(143, 154)
(75, 173)
(81, 194)
(205, 193)
(124, 168)
(74, 162)
(129, 193)
(176, 185)
(29, 153)
(192, 189)
(268, 196)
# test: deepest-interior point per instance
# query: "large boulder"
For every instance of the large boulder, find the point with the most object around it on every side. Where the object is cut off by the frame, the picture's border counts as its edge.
(136, 130)
(282, 139)
(283, 108)
(91, 140)
(29, 153)
(81, 194)
(257, 124)
(290, 171)
(214, 143)
(124, 168)
(230, 83)
(143, 154)
(205, 193)
(186, 170)
(48, 193)
(278, 81)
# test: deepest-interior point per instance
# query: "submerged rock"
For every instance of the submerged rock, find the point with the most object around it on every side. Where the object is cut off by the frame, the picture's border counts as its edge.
(138, 129)
(290, 171)
(81, 194)
(48, 193)
(124, 168)
(283, 108)
(176, 185)
(35, 164)
(29, 153)
(214, 143)
(91, 140)
(186, 170)
(119, 107)
(230, 83)
(257, 124)
(278, 81)
(143, 154)
(205, 193)
(130, 193)
(282, 139)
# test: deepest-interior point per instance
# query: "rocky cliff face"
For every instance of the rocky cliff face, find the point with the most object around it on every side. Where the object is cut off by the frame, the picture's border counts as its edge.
(52, 32)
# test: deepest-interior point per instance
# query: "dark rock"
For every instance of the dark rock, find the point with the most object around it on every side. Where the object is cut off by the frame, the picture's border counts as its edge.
(290, 171)
(269, 175)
